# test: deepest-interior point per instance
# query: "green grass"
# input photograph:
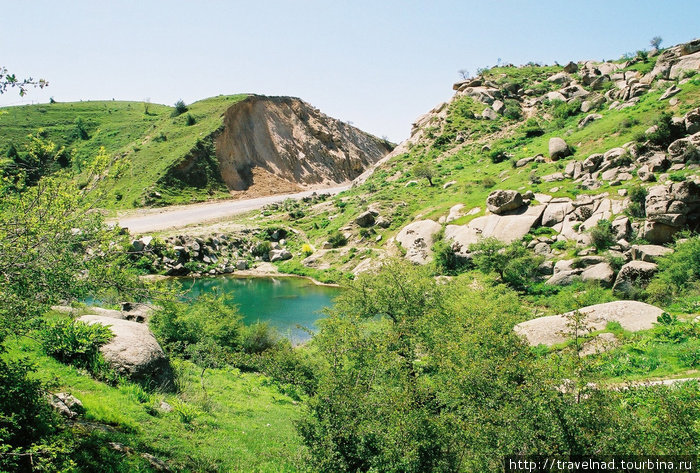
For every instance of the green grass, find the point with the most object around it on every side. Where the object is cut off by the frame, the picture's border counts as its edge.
(243, 423)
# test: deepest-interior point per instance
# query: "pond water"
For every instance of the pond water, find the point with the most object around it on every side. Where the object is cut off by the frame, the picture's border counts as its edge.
(288, 304)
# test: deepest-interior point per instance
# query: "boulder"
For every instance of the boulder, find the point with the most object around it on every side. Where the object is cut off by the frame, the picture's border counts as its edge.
(631, 315)
(498, 107)
(601, 272)
(506, 228)
(417, 239)
(589, 119)
(365, 219)
(649, 253)
(558, 148)
(564, 278)
(489, 114)
(134, 352)
(599, 344)
(66, 404)
(634, 275)
(560, 78)
(502, 201)
(571, 67)
(279, 255)
(657, 232)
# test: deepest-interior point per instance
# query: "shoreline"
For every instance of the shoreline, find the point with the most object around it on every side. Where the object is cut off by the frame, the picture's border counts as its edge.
(264, 270)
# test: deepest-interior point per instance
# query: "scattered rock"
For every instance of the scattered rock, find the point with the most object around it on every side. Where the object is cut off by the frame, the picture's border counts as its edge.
(279, 255)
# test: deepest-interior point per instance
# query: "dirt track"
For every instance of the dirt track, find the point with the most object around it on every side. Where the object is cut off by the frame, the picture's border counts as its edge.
(152, 220)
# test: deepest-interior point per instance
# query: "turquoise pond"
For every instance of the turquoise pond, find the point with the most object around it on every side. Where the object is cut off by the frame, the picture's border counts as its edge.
(289, 304)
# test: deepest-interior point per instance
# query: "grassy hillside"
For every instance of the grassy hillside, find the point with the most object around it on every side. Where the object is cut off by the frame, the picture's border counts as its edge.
(145, 136)
(242, 423)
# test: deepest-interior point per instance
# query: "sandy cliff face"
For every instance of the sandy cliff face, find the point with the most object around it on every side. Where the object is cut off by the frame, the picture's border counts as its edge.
(279, 144)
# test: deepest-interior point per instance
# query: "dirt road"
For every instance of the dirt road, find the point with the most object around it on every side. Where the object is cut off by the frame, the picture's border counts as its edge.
(152, 220)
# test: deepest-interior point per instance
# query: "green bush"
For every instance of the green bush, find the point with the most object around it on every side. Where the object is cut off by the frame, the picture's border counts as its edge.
(75, 342)
(637, 196)
(180, 108)
(563, 110)
(258, 337)
(337, 239)
(679, 272)
(190, 120)
(210, 317)
(497, 156)
(514, 264)
(263, 248)
(602, 235)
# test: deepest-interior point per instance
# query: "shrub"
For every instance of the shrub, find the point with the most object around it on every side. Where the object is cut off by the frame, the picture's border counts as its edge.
(258, 337)
(445, 259)
(337, 239)
(488, 182)
(563, 110)
(209, 318)
(679, 272)
(637, 195)
(180, 108)
(532, 128)
(665, 132)
(307, 250)
(677, 176)
(513, 263)
(75, 342)
(497, 156)
(263, 248)
(190, 120)
(602, 235)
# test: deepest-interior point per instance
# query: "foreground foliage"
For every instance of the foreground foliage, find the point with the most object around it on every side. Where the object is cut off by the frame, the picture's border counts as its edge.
(425, 376)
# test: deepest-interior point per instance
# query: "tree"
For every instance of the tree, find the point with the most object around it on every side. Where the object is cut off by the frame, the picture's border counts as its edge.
(180, 108)
(8, 81)
(424, 170)
(463, 74)
(655, 42)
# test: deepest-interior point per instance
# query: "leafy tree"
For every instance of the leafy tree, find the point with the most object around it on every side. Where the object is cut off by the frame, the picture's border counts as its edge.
(513, 263)
(602, 235)
(424, 170)
(655, 42)
(180, 108)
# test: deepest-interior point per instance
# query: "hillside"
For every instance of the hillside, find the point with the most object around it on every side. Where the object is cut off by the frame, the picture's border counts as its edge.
(495, 133)
(241, 145)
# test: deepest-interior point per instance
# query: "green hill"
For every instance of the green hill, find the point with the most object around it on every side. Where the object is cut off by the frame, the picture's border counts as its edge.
(147, 136)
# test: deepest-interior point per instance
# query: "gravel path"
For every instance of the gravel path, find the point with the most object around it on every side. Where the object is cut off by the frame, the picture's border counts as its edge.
(152, 220)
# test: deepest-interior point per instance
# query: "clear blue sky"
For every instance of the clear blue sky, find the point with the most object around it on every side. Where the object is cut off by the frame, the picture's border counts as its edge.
(379, 64)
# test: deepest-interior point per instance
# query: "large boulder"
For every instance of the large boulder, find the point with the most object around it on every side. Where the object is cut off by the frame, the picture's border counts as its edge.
(601, 273)
(634, 275)
(649, 253)
(506, 228)
(279, 255)
(417, 239)
(134, 352)
(558, 148)
(631, 315)
(365, 219)
(502, 201)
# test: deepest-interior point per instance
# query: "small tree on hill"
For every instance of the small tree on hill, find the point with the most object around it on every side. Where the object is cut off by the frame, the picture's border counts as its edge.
(180, 108)
(655, 42)
(424, 170)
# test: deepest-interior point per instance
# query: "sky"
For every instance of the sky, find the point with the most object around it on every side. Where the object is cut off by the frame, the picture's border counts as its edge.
(377, 64)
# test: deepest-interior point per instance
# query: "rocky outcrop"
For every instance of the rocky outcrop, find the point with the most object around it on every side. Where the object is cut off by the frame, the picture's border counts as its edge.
(669, 208)
(554, 329)
(134, 352)
(277, 140)
(417, 239)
